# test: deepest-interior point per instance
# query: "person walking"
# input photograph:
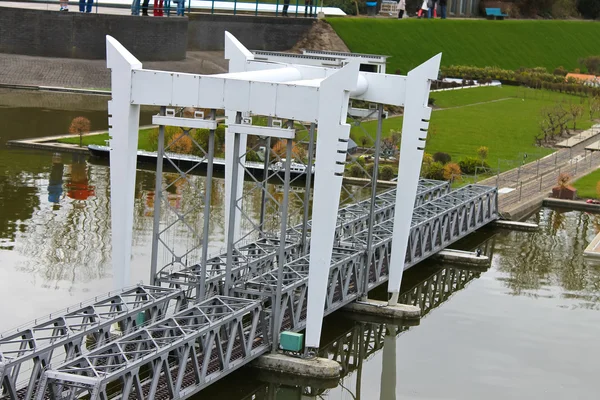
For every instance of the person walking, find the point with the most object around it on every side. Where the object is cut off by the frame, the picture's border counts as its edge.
(135, 7)
(401, 8)
(423, 9)
(443, 6)
(180, 7)
(430, 7)
(308, 4)
(286, 5)
(83, 7)
(158, 9)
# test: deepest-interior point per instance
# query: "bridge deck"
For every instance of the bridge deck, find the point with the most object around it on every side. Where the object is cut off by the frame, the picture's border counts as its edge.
(176, 350)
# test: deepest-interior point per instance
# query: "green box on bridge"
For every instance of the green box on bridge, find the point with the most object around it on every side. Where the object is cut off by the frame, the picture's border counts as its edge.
(291, 341)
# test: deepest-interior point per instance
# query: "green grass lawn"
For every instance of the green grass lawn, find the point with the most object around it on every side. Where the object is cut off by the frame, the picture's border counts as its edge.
(586, 185)
(143, 140)
(509, 44)
(507, 127)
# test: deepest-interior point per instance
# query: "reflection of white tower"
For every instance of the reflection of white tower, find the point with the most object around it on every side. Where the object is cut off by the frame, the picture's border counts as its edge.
(388, 369)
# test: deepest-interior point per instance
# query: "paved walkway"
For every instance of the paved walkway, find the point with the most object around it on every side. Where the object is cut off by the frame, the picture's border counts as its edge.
(533, 181)
(93, 74)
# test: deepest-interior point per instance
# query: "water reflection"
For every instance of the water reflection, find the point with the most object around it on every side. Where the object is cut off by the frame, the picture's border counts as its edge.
(538, 263)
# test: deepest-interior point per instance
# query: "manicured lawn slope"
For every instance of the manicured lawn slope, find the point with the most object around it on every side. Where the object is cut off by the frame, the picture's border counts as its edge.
(505, 119)
(507, 44)
(586, 186)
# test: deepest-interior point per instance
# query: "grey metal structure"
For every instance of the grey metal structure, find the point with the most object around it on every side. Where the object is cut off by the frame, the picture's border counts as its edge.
(222, 327)
(170, 359)
(209, 315)
(27, 351)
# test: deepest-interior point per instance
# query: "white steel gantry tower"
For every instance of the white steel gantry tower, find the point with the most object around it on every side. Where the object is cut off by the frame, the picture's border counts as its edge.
(284, 90)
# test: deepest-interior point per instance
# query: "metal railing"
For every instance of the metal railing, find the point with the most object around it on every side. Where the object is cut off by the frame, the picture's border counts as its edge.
(160, 8)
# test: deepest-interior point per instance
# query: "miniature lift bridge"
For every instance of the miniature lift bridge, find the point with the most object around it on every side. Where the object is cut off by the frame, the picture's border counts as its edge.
(206, 313)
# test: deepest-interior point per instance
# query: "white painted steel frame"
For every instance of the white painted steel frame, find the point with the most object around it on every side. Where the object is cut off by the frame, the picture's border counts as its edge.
(292, 91)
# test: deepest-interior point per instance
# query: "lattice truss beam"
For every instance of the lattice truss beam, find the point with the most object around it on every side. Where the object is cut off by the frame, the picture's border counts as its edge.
(466, 210)
(260, 256)
(26, 352)
(170, 359)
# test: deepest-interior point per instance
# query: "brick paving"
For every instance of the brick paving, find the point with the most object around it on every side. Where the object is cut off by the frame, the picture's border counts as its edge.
(93, 74)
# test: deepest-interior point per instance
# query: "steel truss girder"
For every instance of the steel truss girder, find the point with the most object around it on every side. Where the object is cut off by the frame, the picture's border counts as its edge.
(172, 359)
(63, 335)
(471, 207)
(261, 256)
(356, 217)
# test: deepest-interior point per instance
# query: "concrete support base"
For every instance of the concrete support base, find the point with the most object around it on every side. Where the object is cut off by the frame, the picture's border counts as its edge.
(321, 368)
(462, 257)
(382, 309)
(516, 226)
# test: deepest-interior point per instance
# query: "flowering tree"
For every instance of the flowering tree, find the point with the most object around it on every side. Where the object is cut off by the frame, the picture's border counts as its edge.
(80, 126)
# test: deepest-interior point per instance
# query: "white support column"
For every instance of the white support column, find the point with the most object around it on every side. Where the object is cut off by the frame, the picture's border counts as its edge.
(123, 121)
(332, 144)
(238, 57)
(414, 133)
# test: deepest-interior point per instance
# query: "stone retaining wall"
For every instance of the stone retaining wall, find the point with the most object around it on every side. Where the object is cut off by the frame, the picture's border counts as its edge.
(75, 35)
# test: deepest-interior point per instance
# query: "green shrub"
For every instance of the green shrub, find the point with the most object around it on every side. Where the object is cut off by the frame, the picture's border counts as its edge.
(442, 157)
(435, 171)
(252, 156)
(356, 171)
(591, 63)
(387, 173)
(369, 168)
(470, 165)
(560, 71)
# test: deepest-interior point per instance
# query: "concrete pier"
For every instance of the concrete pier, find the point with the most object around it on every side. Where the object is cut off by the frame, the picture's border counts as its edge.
(383, 309)
(463, 257)
(321, 368)
(516, 226)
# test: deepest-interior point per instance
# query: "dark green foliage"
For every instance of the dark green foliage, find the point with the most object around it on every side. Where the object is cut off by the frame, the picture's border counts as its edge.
(471, 165)
(561, 71)
(435, 171)
(442, 157)
(252, 156)
(536, 78)
(387, 173)
(591, 63)
(356, 171)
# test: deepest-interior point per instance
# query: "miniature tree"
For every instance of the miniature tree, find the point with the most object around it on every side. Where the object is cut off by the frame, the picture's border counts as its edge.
(181, 144)
(482, 152)
(452, 172)
(80, 126)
